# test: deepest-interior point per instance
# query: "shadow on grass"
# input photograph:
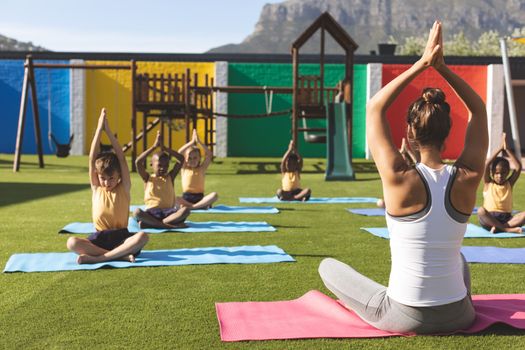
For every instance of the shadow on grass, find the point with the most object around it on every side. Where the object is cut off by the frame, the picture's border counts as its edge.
(17, 192)
(270, 167)
(311, 255)
(368, 179)
(364, 167)
(8, 164)
(289, 226)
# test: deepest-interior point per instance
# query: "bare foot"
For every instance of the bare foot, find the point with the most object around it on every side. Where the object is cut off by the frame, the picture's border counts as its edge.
(493, 229)
(513, 229)
(87, 259)
(143, 224)
(177, 225)
(130, 258)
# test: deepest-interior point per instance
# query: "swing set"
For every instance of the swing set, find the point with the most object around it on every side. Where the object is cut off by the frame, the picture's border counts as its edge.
(29, 84)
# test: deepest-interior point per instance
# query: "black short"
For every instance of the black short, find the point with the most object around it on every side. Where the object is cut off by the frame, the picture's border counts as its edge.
(502, 217)
(110, 239)
(192, 197)
(289, 195)
(161, 214)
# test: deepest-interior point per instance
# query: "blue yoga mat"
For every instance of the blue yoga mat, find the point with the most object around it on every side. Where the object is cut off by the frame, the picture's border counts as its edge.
(44, 262)
(494, 255)
(368, 211)
(312, 200)
(225, 209)
(473, 231)
(205, 226)
(379, 211)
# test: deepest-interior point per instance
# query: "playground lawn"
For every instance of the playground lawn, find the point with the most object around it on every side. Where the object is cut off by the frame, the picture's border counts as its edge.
(173, 307)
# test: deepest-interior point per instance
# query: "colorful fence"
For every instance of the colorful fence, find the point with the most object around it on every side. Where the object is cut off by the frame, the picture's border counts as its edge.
(52, 86)
(112, 89)
(269, 137)
(475, 76)
(245, 137)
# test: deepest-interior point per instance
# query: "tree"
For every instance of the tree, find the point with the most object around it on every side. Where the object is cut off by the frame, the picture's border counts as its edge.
(459, 45)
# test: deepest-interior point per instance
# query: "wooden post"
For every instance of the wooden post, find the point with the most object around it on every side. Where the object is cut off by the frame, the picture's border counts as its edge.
(295, 111)
(134, 114)
(321, 67)
(21, 117)
(36, 114)
(187, 104)
(347, 93)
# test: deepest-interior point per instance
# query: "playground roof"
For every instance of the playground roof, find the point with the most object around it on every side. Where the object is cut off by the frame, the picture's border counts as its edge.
(327, 22)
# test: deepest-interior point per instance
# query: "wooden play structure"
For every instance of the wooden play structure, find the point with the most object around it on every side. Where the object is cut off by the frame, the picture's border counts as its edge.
(177, 101)
(173, 102)
(310, 96)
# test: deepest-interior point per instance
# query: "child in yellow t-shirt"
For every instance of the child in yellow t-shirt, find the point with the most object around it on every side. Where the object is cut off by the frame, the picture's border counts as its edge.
(496, 213)
(159, 193)
(291, 166)
(110, 185)
(193, 173)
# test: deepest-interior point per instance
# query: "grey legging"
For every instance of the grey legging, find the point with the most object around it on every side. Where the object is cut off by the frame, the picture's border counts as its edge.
(369, 300)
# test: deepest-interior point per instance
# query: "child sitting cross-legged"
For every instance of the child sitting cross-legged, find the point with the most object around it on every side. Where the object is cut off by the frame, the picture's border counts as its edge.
(110, 185)
(496, 213)
(159, 193)
(291, 166)
(192, 175)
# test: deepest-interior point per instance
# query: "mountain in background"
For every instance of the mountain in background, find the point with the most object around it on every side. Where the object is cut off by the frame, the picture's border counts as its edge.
(8, 44)
(370, 22)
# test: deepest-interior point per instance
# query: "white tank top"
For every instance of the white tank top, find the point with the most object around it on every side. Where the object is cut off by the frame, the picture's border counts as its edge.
(425, 247)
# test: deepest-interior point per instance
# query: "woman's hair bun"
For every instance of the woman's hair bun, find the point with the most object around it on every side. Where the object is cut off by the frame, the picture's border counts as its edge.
(433, 95)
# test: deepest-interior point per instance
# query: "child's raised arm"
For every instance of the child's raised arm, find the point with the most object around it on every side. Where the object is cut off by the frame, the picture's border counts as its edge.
(186, 146)
(140, 162)
(515, 164)
(124, 169)
(178, 163)
(290, 150)
(208, 156)
(95, 149)
(488, 164)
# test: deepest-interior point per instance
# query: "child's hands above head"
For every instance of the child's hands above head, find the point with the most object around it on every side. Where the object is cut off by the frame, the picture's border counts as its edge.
(195, 137)
(504, 142)
(102, 119)
(158, 140)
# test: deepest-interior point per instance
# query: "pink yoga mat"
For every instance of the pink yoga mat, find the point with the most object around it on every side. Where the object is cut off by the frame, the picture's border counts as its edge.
(315, 315)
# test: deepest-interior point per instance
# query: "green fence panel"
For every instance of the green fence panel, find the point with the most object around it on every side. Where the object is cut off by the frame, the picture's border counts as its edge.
(269, 137)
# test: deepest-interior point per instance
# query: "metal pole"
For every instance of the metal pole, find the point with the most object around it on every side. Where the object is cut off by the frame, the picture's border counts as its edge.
(510, 99)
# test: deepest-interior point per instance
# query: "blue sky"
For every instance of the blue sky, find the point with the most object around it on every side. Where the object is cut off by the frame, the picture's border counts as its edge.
(130, 25)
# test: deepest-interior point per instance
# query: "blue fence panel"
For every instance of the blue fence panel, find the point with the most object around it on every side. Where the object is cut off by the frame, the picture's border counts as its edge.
(53, 88)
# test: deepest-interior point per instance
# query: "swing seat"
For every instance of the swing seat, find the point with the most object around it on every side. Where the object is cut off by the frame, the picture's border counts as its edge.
(62, 149)
(315, 138)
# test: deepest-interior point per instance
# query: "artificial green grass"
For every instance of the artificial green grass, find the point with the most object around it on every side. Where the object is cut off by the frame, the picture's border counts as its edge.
(173, 307)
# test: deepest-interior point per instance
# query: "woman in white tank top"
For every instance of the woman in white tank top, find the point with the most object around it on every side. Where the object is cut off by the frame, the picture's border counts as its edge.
(428, 207)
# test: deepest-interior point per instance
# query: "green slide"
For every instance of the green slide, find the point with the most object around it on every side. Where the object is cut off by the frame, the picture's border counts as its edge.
(338, 159)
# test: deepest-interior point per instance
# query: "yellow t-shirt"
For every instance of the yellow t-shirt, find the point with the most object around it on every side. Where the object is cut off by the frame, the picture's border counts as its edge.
(498, 197)
(291, 181)
(192, 179)
(110, 208)
(159, 192)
